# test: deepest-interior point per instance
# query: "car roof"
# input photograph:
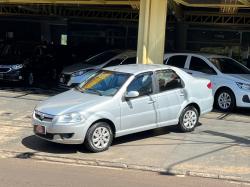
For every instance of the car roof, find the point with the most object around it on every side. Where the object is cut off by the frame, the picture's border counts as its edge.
(137, 68)
(206, 55)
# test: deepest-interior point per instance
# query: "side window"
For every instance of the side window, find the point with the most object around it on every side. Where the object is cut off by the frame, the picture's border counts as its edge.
(142, 83)
(197, 64)
(177, 61)
(129, 61)
(168, 80)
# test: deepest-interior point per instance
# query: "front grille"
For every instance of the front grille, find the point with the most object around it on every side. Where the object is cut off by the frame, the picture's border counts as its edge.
(43, 117)
(4, 70)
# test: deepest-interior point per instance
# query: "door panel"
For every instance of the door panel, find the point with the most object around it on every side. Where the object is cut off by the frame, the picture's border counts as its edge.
(170, 97)
(138, 113)
(169, 105)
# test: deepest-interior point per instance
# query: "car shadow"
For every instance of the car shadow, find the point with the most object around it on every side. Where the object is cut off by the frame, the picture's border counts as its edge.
(39, 145)
(237, 111)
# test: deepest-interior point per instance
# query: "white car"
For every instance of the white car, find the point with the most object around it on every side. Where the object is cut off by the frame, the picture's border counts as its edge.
(77, 73)
(230, 79)
(121, 100)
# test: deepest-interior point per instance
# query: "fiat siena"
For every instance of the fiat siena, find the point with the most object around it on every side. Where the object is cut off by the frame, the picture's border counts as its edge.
(122, 100)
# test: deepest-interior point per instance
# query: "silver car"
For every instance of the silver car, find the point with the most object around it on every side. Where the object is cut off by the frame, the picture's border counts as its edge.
(122, 100)
(77, 73)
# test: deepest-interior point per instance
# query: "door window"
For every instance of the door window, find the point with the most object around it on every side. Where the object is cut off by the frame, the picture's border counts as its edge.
(168, 80)
(142, 84)
(197, 64)
(177, 61)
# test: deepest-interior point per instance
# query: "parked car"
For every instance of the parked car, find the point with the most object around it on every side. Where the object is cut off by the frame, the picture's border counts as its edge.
(231, 79)
(13, 61)
(121, 100)
(30, 62)
(77, 73)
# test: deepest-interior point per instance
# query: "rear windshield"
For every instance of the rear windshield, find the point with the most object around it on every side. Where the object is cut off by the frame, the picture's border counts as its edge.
(229, 66)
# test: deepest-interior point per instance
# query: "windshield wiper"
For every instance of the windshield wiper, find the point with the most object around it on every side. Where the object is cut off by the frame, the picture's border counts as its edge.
(96, 91)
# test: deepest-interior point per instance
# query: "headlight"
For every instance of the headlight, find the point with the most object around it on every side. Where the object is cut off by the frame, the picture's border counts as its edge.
(78, 73)
(17, 66)
(70, 118)
(243, 86)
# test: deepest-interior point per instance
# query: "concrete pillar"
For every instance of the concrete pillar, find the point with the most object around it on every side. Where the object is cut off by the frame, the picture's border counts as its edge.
(181, 36)
(151, 34)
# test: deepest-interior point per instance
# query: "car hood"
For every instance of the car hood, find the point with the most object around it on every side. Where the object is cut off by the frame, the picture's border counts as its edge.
(77, 67)
(240, 77)
(71, 101)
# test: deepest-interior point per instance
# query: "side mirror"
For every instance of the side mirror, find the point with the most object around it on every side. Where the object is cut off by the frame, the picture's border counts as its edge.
(131, 94)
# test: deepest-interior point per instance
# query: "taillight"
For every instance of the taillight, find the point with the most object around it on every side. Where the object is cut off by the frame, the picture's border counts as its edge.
(210, 85)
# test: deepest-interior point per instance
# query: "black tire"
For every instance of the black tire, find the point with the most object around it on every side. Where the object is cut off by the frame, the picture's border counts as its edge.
(29, 79)
(186, 124)
(225, 107)
(89, 139)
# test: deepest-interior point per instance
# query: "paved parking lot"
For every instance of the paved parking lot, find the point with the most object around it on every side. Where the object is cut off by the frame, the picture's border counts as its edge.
(220, 146)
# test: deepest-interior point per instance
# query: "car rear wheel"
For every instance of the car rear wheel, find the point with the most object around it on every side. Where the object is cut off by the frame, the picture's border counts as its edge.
(99, 137)
(225, 100)
(189, 119)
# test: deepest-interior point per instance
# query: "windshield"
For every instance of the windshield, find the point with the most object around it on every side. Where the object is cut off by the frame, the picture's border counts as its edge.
(101, 58)
(104, 83)
(229, 66)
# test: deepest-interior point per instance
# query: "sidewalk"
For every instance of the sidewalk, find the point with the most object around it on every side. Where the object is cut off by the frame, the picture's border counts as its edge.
(216, 149)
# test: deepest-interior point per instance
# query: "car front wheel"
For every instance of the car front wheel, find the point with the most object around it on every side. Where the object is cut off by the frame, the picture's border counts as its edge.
(29, 79)
(225, 100)
(189, 119)
(99, 137)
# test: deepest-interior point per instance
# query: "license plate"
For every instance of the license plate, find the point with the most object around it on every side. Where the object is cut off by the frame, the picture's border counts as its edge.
(39, 129)
(1, 76)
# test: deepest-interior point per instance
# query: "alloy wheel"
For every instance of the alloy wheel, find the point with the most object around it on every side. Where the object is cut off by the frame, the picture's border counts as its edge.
(190, 119)
(224, 100)
(101, 137)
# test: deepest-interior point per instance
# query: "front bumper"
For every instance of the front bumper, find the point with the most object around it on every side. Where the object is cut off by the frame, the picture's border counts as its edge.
(243, 98)
(67, 81)
(63, 134)
(12, 76)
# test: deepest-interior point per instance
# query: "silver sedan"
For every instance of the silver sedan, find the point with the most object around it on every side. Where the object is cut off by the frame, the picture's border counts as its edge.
(122, 100)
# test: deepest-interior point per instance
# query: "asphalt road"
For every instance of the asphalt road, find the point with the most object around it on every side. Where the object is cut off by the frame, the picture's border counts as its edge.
(17, 172)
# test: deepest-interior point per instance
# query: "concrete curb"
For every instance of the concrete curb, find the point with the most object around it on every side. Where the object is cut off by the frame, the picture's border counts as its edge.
(103, 163)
